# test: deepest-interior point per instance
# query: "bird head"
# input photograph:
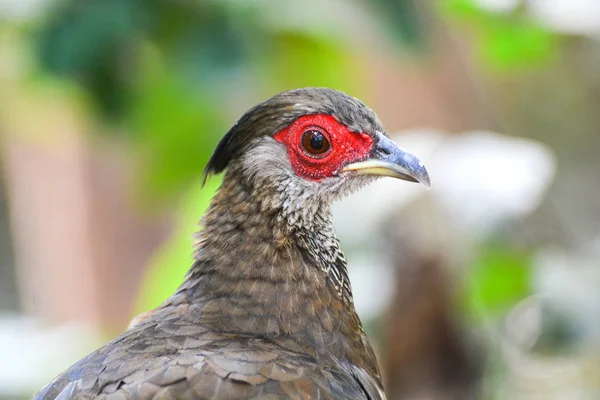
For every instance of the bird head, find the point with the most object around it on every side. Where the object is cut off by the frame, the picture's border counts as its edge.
(304, 148)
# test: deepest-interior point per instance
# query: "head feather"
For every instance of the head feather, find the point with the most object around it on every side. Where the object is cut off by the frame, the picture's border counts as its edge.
(274, 114)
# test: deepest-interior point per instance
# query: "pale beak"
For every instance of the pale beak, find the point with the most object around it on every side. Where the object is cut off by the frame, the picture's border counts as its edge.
(387, 159)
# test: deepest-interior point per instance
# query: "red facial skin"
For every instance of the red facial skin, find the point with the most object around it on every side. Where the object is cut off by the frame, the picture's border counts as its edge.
(345, 146)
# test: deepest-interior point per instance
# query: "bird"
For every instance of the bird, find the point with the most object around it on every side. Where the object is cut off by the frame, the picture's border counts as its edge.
(266, 309)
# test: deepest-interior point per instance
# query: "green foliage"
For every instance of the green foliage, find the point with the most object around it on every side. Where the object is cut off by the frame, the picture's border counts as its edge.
(97, 43)
(505, 42)
(402, 22)
(464, 9)
(163, 69)
(298, 59)
(497, 280)
(510, 45)
(176, 128)
(89, 42)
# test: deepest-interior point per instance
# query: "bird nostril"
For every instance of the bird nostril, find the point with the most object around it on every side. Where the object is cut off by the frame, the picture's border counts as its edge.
(383, 151)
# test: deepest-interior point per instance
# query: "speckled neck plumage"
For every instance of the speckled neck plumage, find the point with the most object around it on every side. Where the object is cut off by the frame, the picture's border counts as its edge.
(259, 273)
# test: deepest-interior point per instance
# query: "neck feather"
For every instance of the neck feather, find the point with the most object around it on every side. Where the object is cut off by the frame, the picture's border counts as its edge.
(257, 272)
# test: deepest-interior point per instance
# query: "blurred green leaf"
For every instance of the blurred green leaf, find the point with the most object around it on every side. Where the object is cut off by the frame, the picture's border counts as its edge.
(177, 128)
(96, 43)
(508, 45)
(202, 39)
(506, 42)
(402, 20)
(297, 59)
(498, 279)
(465, 9)
(92, 42)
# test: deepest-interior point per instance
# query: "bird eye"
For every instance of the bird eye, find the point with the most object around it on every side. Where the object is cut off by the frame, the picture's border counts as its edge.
(315, 142)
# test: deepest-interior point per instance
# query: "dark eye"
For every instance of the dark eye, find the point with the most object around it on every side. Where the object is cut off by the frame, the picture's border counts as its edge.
(315, 142)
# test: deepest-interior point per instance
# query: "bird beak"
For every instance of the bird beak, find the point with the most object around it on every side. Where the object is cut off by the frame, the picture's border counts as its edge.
(387, 159)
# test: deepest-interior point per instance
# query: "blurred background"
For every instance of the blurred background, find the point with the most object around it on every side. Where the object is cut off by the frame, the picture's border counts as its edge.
(487, 286)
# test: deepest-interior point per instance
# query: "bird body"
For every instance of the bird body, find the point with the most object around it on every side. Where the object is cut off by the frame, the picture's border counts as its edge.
(266, 310)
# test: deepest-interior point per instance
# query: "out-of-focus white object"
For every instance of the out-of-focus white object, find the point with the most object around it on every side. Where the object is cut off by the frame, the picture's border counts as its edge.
(568, 16)
(481, 178)
(32, 354)
(484, 178)
(373, 282)
(578, 17)
(22, 9)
